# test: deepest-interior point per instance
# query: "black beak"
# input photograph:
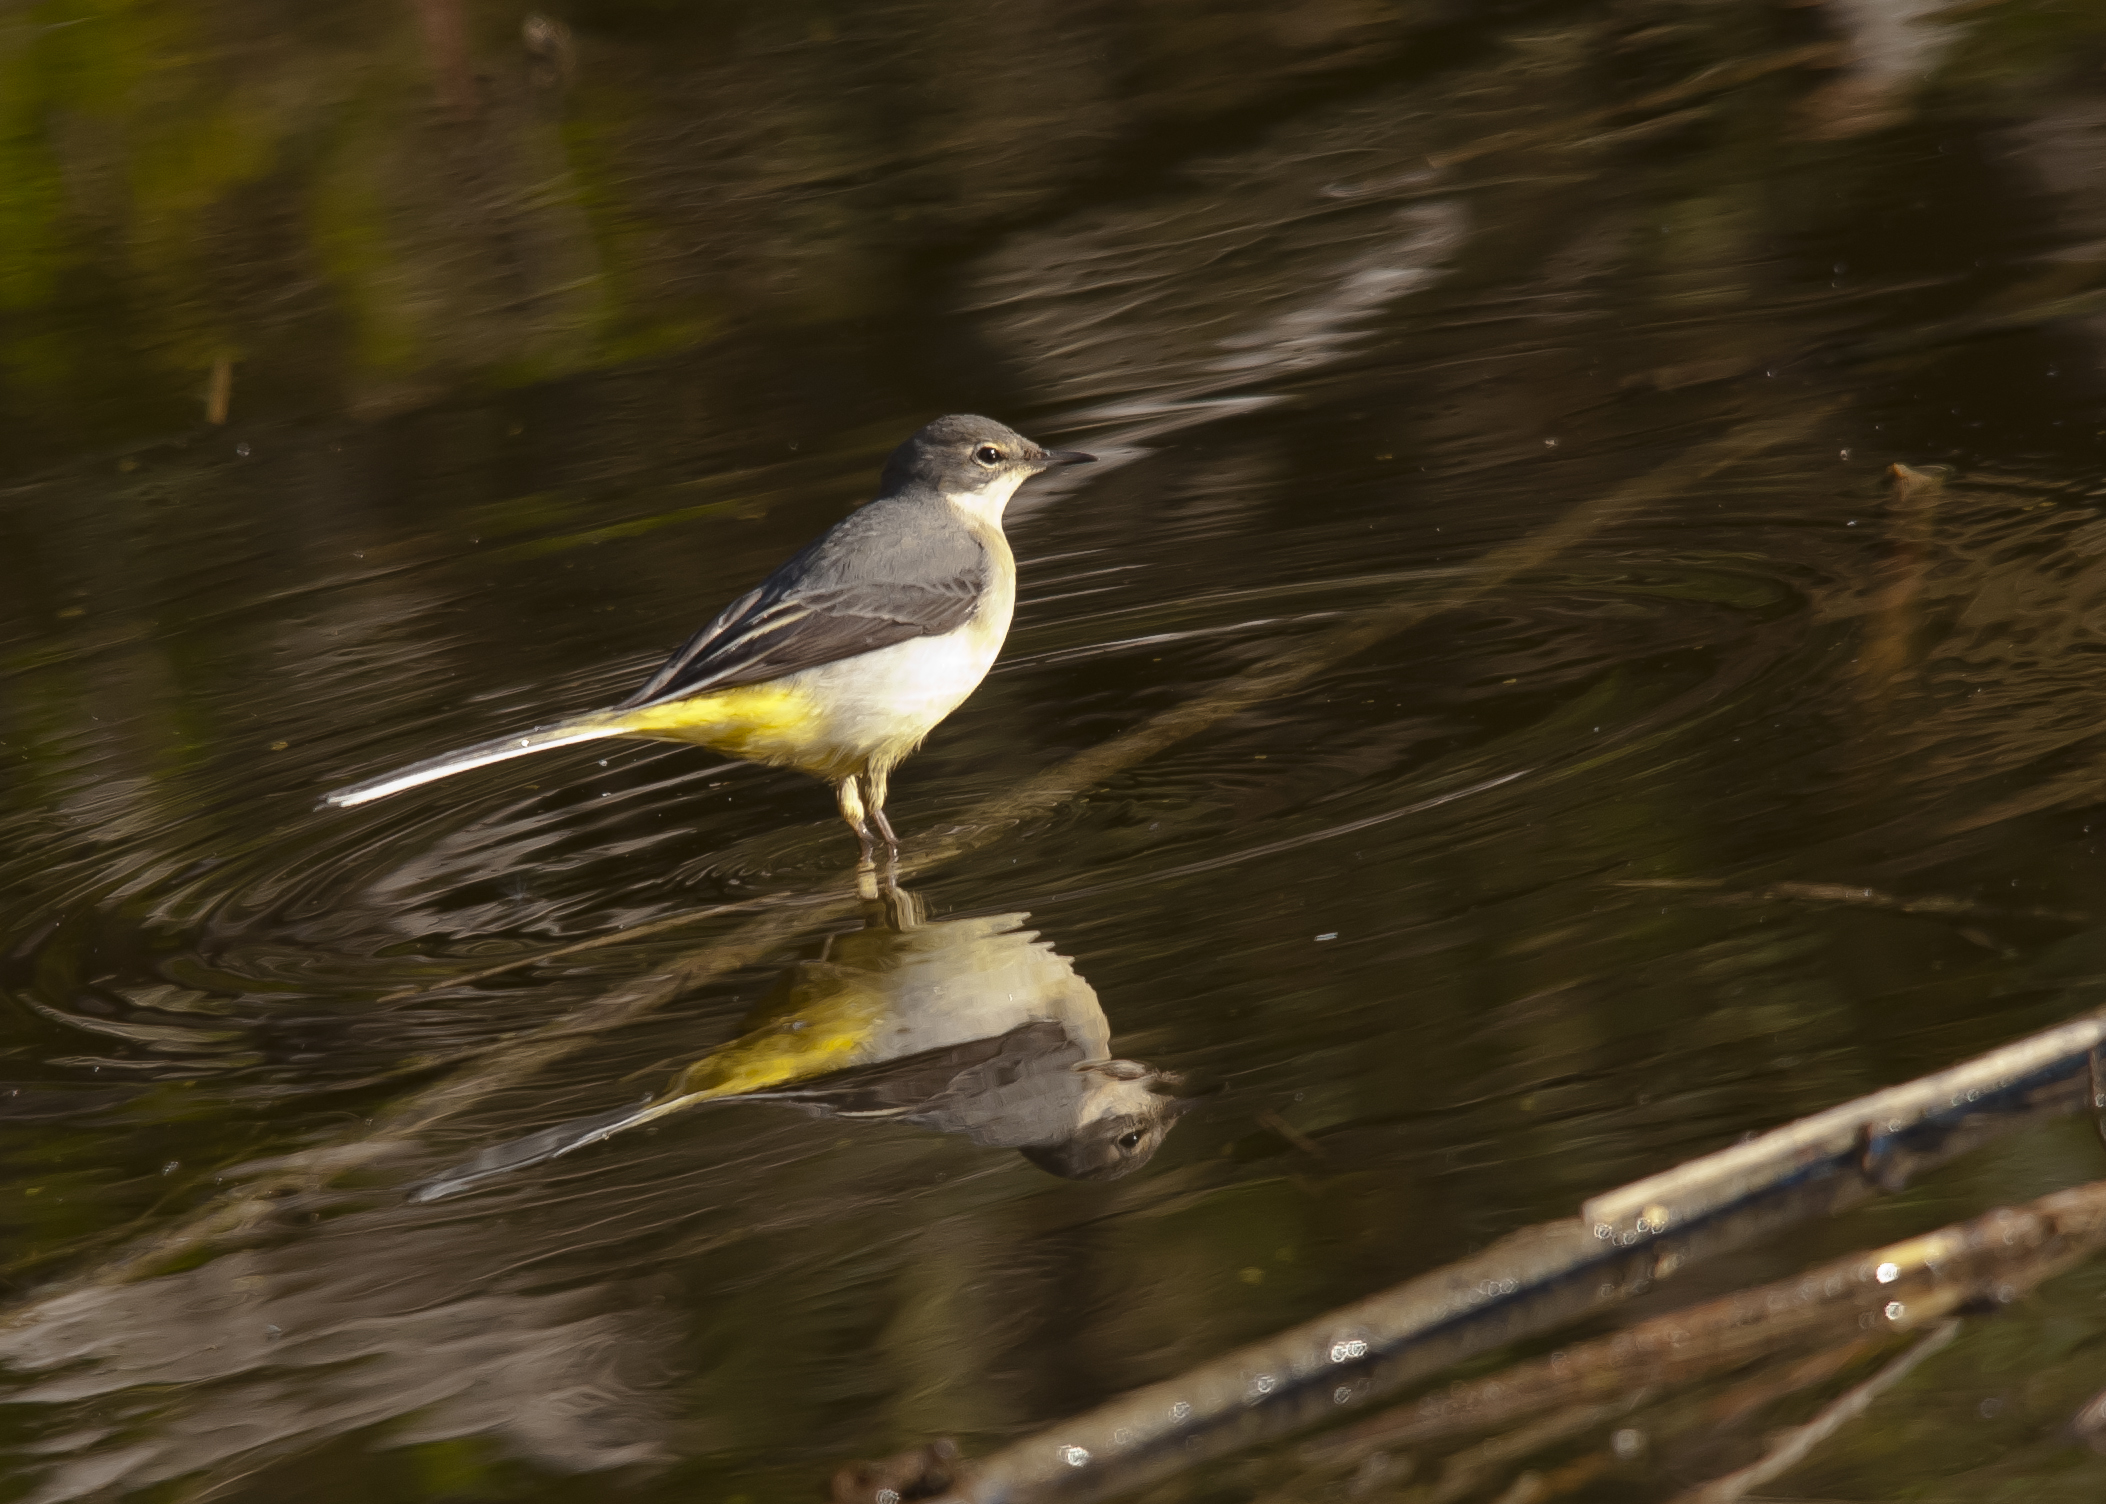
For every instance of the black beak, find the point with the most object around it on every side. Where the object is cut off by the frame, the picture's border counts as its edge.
(1048, 458)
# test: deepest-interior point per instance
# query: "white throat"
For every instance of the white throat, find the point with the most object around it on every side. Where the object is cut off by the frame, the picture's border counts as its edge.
(986, 504)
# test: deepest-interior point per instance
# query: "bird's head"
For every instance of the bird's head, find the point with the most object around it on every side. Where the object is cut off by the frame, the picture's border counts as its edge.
(1122, 1120)
(975, 462)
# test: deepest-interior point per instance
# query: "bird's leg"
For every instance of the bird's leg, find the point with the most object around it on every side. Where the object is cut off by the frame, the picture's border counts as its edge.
(851, 801)
(876, 784)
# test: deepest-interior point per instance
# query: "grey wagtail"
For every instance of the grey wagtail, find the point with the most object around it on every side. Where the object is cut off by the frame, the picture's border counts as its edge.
(969, 1026)
(841, 661)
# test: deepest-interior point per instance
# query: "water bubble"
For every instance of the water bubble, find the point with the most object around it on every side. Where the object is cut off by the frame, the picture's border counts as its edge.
(1896, 1310)
(1074, 1456)
(1627, 1443)
(242, 449)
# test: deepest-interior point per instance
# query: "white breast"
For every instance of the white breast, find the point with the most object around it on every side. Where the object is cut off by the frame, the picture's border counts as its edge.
(881, 704)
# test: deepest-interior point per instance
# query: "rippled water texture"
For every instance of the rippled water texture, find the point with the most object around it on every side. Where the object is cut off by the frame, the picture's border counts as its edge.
(1526, 378)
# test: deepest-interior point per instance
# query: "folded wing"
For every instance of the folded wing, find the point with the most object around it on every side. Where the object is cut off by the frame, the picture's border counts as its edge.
(757, 639)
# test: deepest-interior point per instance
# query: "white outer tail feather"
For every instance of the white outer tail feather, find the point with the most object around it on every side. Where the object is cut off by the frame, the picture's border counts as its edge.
(553, 1143)
(520, 744)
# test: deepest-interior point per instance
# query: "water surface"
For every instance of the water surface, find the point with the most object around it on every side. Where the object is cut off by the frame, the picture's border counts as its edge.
(545, 343)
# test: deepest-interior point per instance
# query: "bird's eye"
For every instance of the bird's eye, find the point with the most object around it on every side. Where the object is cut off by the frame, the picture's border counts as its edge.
(988, 455)
(1128, 1140)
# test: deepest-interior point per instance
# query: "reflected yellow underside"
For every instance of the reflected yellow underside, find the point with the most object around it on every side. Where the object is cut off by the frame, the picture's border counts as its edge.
(827, 1034)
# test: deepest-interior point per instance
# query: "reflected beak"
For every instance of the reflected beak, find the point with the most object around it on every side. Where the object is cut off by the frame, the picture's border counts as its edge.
(1181, 1091)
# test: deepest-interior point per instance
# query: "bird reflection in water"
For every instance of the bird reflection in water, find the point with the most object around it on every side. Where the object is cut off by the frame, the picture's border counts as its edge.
(968, 1026)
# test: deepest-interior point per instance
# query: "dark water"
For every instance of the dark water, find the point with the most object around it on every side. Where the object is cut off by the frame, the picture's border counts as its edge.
(541, 350)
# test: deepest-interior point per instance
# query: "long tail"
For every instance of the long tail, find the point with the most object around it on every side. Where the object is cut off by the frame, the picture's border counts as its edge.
(519, 744)
(553, 1143)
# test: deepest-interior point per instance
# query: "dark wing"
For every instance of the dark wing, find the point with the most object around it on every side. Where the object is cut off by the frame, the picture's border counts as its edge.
(920, 1085)
(849, 593)
(756, 640)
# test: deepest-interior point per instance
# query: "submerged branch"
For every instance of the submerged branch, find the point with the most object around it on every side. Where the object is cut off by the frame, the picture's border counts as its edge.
(1992, 1259)
(1546, 1276)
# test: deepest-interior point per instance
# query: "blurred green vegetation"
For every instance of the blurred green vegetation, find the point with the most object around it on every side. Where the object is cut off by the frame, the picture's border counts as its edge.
(371, 206)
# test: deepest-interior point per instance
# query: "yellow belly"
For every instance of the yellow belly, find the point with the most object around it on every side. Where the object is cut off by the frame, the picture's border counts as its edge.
(768, 723)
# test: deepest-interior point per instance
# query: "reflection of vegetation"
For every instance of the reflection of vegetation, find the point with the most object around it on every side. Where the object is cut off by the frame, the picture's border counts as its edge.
(182, 182)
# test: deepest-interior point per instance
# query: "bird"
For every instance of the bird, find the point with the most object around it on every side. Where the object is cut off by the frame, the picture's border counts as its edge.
(840, 662)
(973, 1026)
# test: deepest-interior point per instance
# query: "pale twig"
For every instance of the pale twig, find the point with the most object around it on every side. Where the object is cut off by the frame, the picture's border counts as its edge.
(1798, 1443)
(1743, 1400)
(1536, 1487)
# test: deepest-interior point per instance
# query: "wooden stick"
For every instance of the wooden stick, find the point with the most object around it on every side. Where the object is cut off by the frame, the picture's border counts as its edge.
(1544, 1276)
